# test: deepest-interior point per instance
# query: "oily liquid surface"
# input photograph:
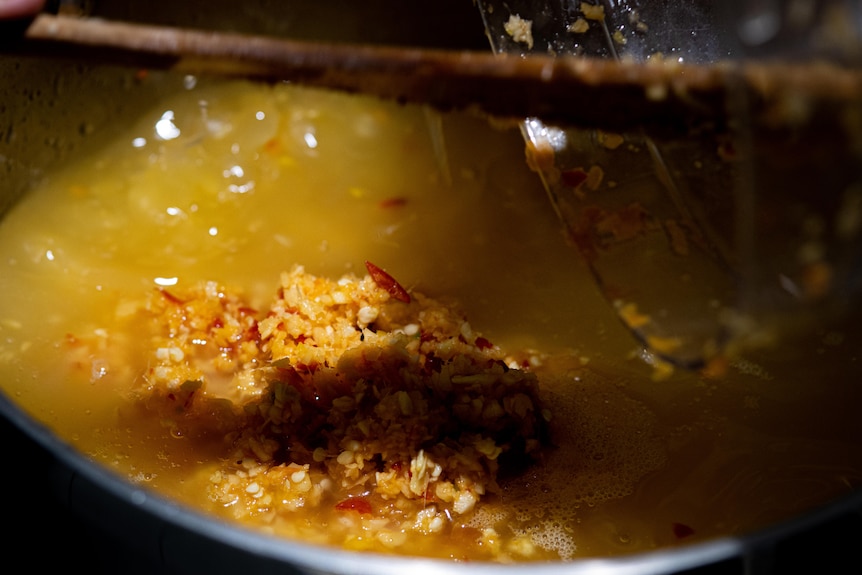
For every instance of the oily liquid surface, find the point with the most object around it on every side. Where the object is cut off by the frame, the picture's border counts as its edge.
(236, 183)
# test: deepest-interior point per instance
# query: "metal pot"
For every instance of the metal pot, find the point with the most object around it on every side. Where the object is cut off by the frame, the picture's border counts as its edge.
(52, 110)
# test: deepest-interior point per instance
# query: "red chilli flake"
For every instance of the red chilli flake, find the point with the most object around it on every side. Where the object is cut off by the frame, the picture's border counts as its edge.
(387, 282)
(394, 202)
(358, 504)
(171, 297)
(574, 178)
(483, 343)
(681, 530)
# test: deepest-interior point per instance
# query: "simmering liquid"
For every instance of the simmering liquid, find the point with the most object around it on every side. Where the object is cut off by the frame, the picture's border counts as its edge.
(236, 183)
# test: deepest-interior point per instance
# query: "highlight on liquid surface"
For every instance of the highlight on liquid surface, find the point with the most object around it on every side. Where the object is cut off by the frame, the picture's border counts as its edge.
(217, 194)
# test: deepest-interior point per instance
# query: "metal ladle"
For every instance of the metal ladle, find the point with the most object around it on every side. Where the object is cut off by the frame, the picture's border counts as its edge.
(724, 237)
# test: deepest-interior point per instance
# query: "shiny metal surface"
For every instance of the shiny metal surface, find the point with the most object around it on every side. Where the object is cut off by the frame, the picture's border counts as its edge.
(729, 236)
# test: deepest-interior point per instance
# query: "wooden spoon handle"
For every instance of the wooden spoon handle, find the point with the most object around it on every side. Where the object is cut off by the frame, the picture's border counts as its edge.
(586, 92)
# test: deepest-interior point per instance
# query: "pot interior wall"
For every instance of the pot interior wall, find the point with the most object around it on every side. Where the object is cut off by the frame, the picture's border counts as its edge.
(445, 24)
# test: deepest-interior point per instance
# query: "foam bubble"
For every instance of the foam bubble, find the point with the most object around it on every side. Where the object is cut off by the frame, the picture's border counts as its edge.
(751, 368)
(606, 442)
(552, 536)
(487, 516)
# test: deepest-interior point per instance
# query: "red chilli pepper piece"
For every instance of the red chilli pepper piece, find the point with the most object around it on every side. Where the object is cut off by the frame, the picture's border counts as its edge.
(358, 504)
(681, 530)
(573, 178)
(483, 343)
(387, 282)
(394, 202)
(171, 297)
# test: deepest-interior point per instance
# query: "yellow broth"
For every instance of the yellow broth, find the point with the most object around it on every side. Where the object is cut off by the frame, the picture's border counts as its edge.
(236, 183)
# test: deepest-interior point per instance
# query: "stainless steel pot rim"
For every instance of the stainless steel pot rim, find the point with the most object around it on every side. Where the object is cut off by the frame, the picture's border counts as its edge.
(179, 521)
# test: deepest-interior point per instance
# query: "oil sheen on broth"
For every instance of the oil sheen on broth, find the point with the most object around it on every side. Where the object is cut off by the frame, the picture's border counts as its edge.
(237, 183)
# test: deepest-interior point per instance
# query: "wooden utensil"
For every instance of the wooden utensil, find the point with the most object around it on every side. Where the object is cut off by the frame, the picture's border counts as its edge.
(661, 97)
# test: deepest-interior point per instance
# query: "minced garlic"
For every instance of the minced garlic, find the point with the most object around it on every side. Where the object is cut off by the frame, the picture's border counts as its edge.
(520, 30)
(593, 11)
